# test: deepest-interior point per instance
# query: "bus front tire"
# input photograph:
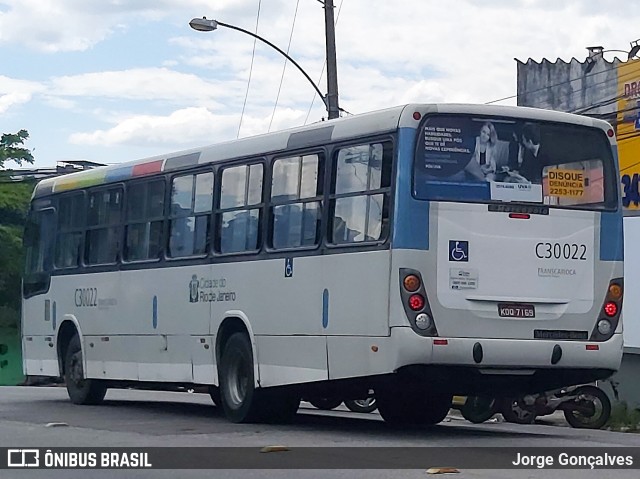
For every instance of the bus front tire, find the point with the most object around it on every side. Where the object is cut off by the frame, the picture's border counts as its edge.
(214, 393)
(240, 400)
(80, 389)
(413, 408)
(238, 396)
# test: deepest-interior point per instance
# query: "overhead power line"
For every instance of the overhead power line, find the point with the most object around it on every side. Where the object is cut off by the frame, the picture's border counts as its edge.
(284, 67)
(253, 55)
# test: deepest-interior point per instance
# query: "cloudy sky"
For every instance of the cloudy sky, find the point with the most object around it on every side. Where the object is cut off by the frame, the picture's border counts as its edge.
(116, 80)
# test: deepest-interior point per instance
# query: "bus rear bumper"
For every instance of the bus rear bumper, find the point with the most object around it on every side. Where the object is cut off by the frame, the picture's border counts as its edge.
(496, 361)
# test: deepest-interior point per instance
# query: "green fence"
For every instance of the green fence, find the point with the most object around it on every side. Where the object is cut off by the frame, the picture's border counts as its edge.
(10, 357)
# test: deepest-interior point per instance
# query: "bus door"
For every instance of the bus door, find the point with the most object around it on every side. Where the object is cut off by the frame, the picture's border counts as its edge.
(37, 328)
(355, 272)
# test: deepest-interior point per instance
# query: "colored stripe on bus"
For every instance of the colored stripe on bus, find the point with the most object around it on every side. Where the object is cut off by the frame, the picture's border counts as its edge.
(82, 180)
(118, 174)
(611, 234)
(411, 216)
(182, 161)
(147, 168)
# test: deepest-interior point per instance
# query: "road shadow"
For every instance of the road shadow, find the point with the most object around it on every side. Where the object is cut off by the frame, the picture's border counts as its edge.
(195, 414)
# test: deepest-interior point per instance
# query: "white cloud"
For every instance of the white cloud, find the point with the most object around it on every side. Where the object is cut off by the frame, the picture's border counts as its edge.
(283, 118)
(182, 127)
(14, 92)
(77, 25)
(157, 84)
(192, 87)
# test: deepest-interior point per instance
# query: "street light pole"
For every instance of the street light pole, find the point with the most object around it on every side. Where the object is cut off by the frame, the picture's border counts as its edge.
(205, 25)
(332, 70)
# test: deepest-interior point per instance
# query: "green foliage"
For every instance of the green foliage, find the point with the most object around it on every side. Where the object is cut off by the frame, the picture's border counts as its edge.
(9, 320)
(10, 266)
(14, 204)
(623, 418)
(11, 149)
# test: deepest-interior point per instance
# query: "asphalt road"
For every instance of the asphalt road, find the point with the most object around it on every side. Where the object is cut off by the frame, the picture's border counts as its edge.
(44, 417)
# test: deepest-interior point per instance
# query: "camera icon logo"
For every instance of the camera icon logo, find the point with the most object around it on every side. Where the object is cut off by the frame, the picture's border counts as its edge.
(23, 458)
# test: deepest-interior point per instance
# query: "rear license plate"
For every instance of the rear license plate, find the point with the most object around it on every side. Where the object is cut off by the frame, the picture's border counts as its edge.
(512, 310)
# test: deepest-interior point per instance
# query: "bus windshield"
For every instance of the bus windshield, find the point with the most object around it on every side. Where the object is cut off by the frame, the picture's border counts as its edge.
(482, 159)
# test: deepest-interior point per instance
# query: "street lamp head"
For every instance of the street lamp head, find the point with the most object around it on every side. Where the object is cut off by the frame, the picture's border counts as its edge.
(635, 48)
(203, 24)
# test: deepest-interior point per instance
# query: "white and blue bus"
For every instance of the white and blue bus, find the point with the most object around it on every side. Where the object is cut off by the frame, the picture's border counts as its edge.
(420, 251)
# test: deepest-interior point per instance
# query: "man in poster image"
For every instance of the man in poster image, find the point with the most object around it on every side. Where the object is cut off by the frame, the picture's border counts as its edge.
(515, 159)
(534, 158)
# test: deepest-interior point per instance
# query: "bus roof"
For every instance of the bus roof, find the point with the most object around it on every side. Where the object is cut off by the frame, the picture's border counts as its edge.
(377, 122)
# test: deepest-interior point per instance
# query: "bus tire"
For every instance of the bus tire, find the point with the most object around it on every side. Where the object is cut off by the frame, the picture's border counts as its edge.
(214, 393)
(279, 406)
(240, 400)
(325, 404)
(478, 409)
(80, 389)
(362, 405)
(413, 407)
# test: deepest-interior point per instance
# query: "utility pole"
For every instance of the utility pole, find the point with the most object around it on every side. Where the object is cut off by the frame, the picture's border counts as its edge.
(332, 69)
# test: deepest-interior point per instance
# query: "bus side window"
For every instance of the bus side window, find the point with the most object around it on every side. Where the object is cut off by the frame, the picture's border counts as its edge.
(191, 205)
(103, 220)
(71, 211)
(360, 193)
(296, 209)
(38, 240)
(240, 209)
(145, 218)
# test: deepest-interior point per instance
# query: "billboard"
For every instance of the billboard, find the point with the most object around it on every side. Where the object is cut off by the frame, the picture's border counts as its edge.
(628, 133)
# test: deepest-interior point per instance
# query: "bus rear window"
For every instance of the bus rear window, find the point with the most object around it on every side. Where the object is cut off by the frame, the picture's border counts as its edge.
(472, 159)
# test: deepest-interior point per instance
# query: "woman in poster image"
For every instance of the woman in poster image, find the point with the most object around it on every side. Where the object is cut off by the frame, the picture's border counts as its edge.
(485, 152)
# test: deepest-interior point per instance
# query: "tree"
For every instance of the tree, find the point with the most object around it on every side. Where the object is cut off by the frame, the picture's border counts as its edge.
(11, 149)
(14, 203)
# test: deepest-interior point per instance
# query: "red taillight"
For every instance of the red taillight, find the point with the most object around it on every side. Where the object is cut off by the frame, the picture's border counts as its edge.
(592, 347)
(611, 133)
(610, 309)
(519, 216)
(416, 302)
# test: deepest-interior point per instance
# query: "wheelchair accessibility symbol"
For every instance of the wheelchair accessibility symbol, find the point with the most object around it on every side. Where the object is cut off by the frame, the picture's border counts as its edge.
(458, 251)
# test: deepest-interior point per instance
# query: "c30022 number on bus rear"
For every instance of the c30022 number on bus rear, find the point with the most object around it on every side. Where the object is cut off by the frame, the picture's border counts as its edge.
(571, 251)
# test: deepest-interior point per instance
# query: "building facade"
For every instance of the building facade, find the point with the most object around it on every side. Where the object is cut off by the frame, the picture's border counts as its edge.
(609, 90)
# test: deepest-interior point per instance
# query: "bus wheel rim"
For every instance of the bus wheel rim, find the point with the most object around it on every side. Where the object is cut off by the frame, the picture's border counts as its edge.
(238, 381)
(76, 372)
